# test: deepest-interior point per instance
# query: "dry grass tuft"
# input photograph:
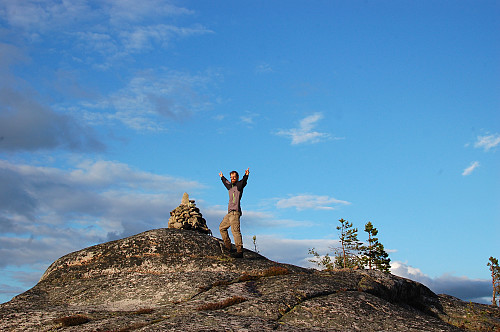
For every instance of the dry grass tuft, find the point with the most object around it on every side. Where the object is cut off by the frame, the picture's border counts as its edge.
(247, 277)
(204, 288)
(223, 304)
(72, 320)
(132, 327)
(221, 283)
(275, 271)
(144, 311)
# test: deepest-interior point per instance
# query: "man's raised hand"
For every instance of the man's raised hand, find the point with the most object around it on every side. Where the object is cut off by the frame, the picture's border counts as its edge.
(247, 171)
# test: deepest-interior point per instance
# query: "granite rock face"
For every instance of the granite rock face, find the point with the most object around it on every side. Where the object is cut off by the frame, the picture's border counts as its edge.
(181, 280)
(188, 216)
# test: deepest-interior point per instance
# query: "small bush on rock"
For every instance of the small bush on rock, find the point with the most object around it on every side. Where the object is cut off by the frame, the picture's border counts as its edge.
(144, 311)
(72, 320)
(221, 305)
(275, 271)
(247, 277)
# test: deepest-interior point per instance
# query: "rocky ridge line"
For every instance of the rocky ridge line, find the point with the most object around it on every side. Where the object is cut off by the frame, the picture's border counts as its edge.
(180, 280)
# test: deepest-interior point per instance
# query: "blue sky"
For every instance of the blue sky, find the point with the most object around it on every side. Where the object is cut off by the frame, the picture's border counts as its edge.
(381, 111)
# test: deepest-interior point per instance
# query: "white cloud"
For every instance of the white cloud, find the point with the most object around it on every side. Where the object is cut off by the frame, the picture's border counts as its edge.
(461, 287)
(487, 142)
(471, 168)
(315, 202)
(305, 133)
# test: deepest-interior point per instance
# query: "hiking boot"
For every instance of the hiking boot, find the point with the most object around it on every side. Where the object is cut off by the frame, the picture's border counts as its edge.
(229, 247)
(237, 254)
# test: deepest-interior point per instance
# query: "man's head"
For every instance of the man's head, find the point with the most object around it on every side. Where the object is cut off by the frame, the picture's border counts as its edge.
(234, 176)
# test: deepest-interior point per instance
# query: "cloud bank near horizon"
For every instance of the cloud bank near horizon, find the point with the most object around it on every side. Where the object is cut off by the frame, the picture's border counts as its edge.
(44, 209)
(476, 290)
(295, 252)
(35, 241)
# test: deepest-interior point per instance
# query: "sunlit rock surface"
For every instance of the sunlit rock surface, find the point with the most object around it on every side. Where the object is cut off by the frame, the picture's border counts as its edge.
(181, 280)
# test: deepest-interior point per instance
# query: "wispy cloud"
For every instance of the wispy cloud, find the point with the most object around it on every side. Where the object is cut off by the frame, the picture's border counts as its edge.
(487, 142)
(264, 68)
(31, 15)
(249, 118)
(121, 11)
(305, 133)
(151, 98)
(110, 28)
(43, 15)
(144, 38)
(471, 168)
(314, 202)
(95, 35)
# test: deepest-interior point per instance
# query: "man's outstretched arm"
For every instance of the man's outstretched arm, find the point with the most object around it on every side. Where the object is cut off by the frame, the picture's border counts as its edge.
(243, 181)
(225, 182)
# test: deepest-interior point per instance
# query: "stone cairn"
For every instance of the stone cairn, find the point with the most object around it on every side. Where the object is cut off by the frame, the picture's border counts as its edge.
(188, 216)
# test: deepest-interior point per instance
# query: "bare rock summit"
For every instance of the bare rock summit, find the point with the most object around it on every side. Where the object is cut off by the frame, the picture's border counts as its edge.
(182, 280)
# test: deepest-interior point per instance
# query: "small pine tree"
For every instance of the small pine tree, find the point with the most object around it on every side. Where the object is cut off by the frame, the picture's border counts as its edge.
(324, 262)
(495, 278)
(351, 261)
(374, 254)
(347, 254)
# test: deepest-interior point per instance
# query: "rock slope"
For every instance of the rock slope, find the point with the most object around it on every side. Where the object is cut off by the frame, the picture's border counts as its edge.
(180, 280)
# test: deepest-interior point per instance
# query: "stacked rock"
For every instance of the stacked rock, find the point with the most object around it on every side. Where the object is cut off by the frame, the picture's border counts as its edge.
(188, 216)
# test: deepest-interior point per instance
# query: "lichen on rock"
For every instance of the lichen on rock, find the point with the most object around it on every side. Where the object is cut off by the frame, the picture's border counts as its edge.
(159, 280)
